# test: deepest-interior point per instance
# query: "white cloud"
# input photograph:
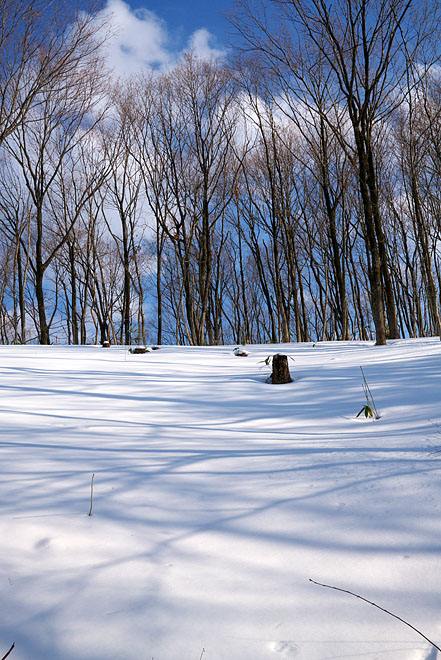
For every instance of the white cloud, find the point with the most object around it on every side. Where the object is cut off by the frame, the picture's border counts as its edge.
(199, 44)
(140, 40)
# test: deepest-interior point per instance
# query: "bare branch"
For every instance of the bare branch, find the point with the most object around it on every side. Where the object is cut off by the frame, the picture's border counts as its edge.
(395, 616)
(11, 649)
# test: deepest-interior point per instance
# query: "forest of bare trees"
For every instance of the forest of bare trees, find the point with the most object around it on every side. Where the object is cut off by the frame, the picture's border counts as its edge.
(290, 192)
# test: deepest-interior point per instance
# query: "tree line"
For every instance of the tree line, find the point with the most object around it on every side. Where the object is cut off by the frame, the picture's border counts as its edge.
(288, 193)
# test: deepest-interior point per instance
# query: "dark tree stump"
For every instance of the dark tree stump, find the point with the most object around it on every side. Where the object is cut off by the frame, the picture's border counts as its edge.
(280, 373)
(137, 350)
(106, 344)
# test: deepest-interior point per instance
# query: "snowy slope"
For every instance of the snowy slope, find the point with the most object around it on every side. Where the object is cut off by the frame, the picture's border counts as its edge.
(216, 498)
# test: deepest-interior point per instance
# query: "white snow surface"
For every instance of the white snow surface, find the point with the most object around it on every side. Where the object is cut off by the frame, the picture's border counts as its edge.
(216, 498)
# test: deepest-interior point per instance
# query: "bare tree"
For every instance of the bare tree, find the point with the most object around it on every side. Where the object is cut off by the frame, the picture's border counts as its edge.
(363, 49)
(186, 150)
(124, 188)
(15, 228)
(41, 45)
(66, 113)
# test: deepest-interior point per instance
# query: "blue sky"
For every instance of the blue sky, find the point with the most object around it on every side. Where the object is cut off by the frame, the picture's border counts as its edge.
(184, 17)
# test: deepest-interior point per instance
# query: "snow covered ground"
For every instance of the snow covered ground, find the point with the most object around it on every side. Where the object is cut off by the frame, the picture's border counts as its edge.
(216, 498)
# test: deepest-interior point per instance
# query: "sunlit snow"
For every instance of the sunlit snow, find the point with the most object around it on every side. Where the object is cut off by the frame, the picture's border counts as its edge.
(216, 498)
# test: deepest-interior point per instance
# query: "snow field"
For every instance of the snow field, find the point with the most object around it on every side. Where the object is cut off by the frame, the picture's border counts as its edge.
(216, 498)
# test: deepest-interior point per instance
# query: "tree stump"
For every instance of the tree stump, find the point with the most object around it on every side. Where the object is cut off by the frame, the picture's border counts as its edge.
(280, 373)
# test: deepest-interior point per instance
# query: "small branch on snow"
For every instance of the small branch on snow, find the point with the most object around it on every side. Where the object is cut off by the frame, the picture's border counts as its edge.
(395, 616)
(11, 649)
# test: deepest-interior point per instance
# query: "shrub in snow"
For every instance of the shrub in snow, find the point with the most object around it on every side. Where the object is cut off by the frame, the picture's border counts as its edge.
(135, 350)
(370, 409)
(367, 410)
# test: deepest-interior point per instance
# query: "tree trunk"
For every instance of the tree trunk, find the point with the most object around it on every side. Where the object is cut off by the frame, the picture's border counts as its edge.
(44, 337)
(280, 373)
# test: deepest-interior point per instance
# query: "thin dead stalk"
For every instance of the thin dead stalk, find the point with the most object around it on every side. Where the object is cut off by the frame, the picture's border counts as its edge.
(91, 494)
(395, 616)
(368, 395)
(5, 656)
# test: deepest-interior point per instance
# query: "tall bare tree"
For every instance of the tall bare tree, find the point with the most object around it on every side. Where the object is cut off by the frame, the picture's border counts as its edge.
(67, 111)
(363, 47)
(42, 44)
